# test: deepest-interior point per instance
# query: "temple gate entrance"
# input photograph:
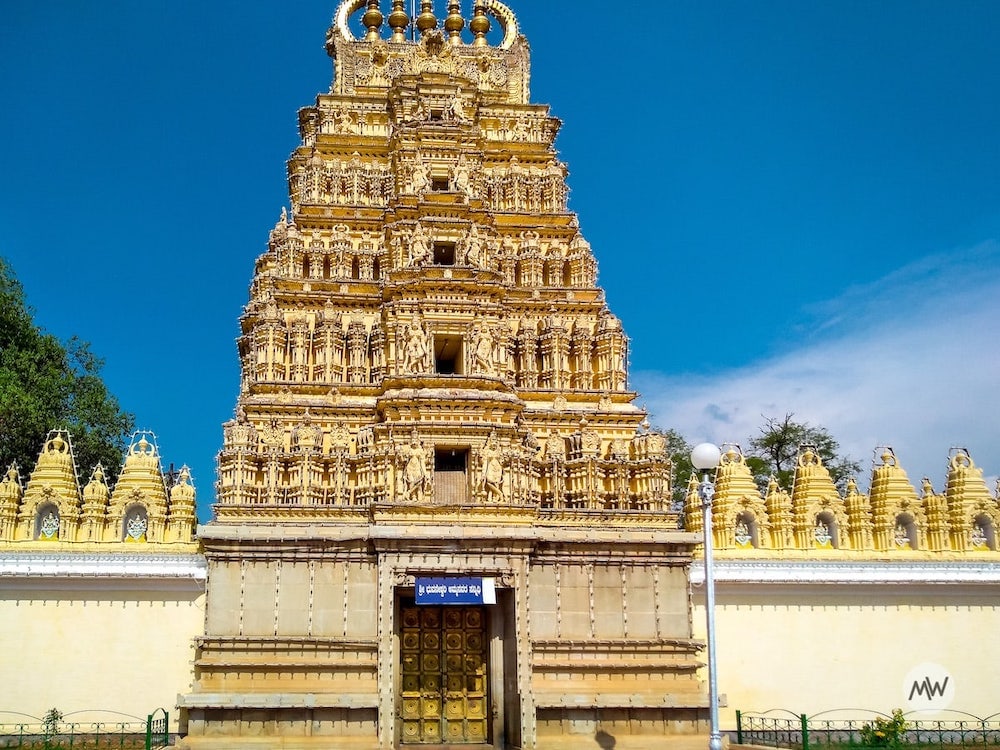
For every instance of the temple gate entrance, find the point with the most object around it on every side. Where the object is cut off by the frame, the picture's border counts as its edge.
(444, 674)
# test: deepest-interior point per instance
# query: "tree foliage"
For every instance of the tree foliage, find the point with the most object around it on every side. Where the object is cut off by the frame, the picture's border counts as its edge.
(679, 451)
(774, 450)
(45, 384)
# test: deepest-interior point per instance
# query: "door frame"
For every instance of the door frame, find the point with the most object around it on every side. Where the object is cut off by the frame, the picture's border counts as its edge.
(501, 656)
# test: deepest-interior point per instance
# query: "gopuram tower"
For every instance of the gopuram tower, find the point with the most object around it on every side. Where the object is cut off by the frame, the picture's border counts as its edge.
(440, 518)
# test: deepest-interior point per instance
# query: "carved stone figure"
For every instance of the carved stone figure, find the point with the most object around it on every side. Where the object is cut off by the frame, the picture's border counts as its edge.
(345, 122)
(456, 109)
(474, 248)
(420, 248)
(414, 348)
(521, 130)
(461, 181)
(491, 479)
(419, 113)
(414, 459)
(420, 179)
(484, 349)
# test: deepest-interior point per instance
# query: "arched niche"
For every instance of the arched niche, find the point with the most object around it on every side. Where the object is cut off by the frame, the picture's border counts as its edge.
(135, 524)
(825, 531)
(906, 533)
(982, 536)
(746, 533)
(47, 522)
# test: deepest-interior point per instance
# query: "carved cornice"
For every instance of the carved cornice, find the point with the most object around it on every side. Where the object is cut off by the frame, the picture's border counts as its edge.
(740, 572)
(278, 700)
(69, 565)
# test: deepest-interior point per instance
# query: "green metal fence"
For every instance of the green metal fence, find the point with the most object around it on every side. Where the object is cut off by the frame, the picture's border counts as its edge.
(861, 729)
(158, 729)
(58, 731)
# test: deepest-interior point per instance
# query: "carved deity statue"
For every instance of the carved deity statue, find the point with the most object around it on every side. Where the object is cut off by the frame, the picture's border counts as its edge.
(456, 109)
(821, 532)
(419, 112)
(414, 460)
(484, 349)
(521, 130)
(10, 487)
(413, 346)
(461, 180)
(474, 248)
(491, 479)
(420, 179)
(345, 122)
(420, 248)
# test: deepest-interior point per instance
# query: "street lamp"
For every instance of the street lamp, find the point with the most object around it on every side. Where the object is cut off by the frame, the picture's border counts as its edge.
(704, 457)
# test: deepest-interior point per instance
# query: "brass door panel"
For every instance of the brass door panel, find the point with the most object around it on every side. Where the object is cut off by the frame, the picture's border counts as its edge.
(443, 669)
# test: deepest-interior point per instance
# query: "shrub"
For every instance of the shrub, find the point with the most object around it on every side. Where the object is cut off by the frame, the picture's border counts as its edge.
(885, 732)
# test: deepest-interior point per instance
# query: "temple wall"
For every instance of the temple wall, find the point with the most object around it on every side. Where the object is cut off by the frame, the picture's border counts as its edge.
(815, 648)
(305, 637)
(83, 647)
(607, 601)
(288, 598)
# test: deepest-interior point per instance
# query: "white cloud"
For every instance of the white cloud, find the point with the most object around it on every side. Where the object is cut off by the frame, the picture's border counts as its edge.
(911, 361)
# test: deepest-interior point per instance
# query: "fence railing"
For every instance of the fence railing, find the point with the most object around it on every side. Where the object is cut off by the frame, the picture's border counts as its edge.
(860, 729)
(58, 731)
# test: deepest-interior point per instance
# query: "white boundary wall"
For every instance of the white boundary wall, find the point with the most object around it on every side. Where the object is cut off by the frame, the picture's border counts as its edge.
(83, 632)
(815, 636)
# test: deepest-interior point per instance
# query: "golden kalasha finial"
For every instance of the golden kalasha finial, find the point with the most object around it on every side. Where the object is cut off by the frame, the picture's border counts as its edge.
(398, 21)
(372, 19)
(426, 20)
(480, 24)
(454, 23)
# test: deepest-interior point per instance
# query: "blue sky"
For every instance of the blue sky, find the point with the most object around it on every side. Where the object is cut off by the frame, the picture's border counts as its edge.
(795, 206)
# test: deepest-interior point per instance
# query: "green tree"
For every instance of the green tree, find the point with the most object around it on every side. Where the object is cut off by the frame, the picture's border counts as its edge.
(45, 384)
(679, 450)
(774, 451)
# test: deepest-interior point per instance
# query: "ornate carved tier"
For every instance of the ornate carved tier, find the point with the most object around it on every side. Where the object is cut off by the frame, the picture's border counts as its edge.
(429, 264)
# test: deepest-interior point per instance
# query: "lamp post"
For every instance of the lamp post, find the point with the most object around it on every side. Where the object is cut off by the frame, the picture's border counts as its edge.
(704, 457)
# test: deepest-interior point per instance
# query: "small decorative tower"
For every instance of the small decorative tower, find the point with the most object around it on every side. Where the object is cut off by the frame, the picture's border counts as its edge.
(50, 510)
(897, 513)
(10, 500)
(972, 511)
(740, 519)
(819, 514)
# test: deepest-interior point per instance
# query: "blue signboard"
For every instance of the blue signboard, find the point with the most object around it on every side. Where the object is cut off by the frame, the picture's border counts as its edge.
(456, 591)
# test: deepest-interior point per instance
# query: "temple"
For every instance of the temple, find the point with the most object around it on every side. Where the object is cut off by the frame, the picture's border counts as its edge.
(440, 517)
